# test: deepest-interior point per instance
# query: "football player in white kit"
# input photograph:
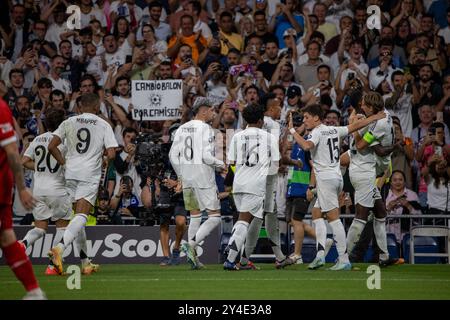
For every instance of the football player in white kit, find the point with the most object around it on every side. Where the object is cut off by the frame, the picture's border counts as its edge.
(255, 153)
(369, 155)
(86, 136)
(192, 157)
(49, 188)
(323, 143)
(272, 113)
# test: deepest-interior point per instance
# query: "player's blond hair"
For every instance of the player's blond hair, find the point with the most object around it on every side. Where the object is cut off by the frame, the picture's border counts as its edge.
(374, 100)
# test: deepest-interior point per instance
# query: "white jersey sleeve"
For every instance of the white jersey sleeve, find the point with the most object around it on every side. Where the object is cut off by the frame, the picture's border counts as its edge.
(208, 148)
(342, 131)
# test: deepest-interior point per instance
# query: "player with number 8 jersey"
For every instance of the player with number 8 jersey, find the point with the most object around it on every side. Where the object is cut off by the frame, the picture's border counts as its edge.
(192, 157)
(86, 136)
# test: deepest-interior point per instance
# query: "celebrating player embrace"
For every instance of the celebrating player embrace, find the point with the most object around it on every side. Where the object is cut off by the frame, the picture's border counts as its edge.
(323, 143)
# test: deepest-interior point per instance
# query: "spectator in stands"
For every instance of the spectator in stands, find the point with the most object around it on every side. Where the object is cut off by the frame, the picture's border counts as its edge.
(328, 29)
(102, 211)
(261, 27)
(427, 90)
(400, 201)
(125, 202)
(403, 155)
(16, 79)
(57, 68)
(385, 67)
(399, 101)
(387, 39)
(437, 177)
(228, 38)
(194, 8)
(286, 17)
(187, 36)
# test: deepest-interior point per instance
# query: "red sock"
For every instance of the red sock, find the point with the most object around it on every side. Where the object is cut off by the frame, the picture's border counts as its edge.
(21, 266)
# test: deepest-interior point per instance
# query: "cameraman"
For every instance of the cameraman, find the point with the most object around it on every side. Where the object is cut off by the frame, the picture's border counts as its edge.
(163, 194)
(126, 164)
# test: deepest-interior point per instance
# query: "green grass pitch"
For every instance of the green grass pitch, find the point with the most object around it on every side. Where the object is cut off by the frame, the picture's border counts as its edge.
(294, 282)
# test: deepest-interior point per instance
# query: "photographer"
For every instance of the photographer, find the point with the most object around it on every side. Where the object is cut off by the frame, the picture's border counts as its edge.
(125, 162)
(162, 195)
(125, 202)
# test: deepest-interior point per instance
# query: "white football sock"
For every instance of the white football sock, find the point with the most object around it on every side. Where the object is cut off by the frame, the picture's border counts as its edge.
(354, 233)
(194, 225)
(273, 233)
(81, 244)
(251, 239)
(379, 229)
(237, 240)
(321, 236)
(73, 229)
(339, 238)
(205, 229)
(58, 236)
(33, 235)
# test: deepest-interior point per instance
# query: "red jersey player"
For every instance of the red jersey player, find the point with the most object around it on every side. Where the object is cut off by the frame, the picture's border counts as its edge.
(11, 166)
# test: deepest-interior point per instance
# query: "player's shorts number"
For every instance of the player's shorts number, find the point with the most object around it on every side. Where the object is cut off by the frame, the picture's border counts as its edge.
(43, 154)
(84, 136)
(188, 150)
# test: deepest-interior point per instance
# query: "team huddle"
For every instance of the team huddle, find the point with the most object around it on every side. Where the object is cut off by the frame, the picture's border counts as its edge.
(254, 157)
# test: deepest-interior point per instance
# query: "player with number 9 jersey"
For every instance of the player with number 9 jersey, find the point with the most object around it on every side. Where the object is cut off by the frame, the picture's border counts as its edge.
(85, 136)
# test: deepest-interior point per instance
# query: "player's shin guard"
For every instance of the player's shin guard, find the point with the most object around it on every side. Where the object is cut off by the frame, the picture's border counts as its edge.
(251, 239)
(206, 228)
(19, 263)
(379, 229)
(32, 236)
(354, 233)
(237, 240)
(339, 238)
(321, 236)
(73, 229)
(273, 233)
(194, 225)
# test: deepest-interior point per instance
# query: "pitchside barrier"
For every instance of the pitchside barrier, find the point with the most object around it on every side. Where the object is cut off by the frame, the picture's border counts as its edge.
(118, 244)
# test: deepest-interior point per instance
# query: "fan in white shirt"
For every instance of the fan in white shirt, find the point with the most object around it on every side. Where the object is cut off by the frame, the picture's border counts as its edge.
(86, 137)
(192, 157)
(254, 152)
(323, 143)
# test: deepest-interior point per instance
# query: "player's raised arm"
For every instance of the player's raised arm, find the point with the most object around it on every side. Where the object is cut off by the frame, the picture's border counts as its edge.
(304, 144)
(361, 123)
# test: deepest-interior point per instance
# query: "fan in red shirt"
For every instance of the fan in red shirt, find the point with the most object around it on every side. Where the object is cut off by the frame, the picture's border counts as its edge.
(11, 166)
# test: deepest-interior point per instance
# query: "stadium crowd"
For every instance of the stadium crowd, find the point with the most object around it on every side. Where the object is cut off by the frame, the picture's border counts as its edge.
(236, 53)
